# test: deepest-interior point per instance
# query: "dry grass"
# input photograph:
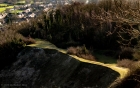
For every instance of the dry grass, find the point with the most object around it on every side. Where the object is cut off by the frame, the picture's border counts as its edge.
(11, 43)
(131, 80)
(81, 52)
(126, 63)
(126, 53)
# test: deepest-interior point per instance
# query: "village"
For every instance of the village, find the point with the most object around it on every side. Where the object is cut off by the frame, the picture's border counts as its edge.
(23, 12)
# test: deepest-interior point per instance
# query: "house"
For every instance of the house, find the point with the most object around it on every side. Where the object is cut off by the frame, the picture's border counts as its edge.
(46, 9)
(20, 15)
(66, 3)
(50, 5)
(28, 10)
(32, 15)
(3, 15)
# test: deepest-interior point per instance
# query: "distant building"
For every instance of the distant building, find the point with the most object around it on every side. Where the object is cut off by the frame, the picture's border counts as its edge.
(50, 5)
(2, 16)
(86, 1)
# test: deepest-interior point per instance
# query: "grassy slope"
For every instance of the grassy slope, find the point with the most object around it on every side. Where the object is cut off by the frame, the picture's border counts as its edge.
(105, 59)
(3, 4)
(45, 44)
(4, 8)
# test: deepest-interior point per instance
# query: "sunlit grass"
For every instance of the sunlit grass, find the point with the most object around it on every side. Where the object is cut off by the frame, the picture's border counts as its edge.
(21, 2)
(16, 11)
(10, 7)
(2, 9)
(3, 5)
(45, 44)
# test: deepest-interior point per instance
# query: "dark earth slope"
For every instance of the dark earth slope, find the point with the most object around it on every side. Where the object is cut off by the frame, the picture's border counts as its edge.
(49, 68)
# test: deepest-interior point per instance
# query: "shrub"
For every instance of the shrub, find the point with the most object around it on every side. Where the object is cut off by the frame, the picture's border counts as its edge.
(132, 79)
(81, 52)
(72, 50)
(28, 40)
(10, 45)
(126, 53)
(137, 51)
(126, 63)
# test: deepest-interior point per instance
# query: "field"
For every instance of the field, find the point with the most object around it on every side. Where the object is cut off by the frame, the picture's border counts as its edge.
(16, 11)
(3, 5)
(2, 9)
(20, 2)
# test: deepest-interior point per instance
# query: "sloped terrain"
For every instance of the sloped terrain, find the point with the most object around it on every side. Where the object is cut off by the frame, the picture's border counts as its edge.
(47, 66)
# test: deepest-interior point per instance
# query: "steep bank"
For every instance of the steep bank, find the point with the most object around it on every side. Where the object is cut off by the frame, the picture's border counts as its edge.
(45, 44)
(51, 67)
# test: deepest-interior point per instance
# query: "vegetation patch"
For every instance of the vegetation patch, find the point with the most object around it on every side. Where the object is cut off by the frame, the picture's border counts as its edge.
(98, 26)
(10, 45)
(3, 5)
(2, 9)
(16, 11)
(131, 80)
(21, 2)
(10, 7)
(107, 25)
(81, 52)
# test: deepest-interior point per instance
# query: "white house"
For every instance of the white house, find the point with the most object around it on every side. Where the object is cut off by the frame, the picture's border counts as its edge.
(21, 15)
(32, 15)
(28, 10)
(46, 9)
(2, 16)
(50, 5)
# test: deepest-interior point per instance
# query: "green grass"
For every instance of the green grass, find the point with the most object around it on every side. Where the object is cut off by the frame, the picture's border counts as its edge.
(16, 11)
(105, 59)
(21, 2)
(10, 7)
(3, 5)
(2, 9)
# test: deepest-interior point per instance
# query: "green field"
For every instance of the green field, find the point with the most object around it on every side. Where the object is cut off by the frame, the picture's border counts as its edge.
(21, 2)
(3, 5)
(16, 11)
(10, 7)
(2, 9)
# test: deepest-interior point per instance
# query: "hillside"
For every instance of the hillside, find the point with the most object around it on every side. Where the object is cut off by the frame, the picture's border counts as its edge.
(45, 44)
(77, 45)
(44, 65)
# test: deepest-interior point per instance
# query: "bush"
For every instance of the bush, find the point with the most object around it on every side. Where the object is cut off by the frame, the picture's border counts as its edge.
(126, 63)
(81, 52)
(137, 51)
(11, 43)
(132, 80)
(126, 53)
